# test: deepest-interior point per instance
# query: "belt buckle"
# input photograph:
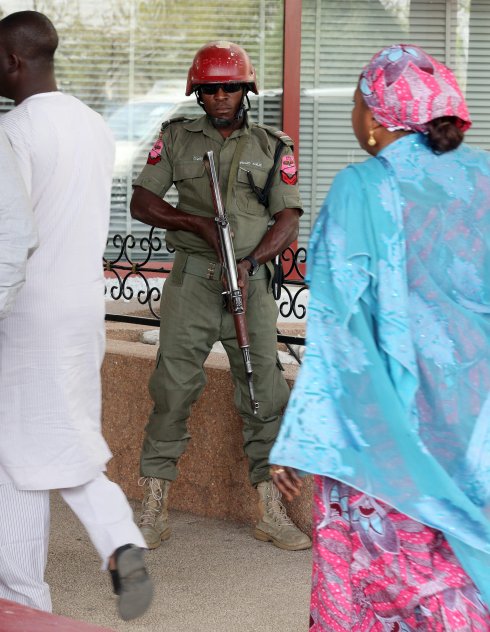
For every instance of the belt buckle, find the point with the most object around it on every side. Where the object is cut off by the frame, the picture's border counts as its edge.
(211, 270)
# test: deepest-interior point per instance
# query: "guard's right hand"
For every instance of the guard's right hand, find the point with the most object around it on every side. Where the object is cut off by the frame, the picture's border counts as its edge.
(207, 229)
(243, 281)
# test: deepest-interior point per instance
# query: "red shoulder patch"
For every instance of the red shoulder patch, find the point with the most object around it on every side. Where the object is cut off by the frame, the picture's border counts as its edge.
(155, 154)
(289, 174)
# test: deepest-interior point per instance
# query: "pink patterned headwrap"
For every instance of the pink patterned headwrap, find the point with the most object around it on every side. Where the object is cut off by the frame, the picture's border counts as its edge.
(405, 88)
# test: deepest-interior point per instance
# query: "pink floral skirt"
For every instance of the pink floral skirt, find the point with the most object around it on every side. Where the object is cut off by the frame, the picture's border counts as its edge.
(375, 569)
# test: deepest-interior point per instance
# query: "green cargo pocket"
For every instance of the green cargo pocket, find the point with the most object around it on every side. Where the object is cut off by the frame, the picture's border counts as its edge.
(192, 184)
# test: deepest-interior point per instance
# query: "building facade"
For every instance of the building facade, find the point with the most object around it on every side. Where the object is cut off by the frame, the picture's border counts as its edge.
(128, 59)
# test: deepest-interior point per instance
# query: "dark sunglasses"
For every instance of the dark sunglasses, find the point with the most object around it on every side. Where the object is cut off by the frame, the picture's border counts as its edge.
(212, 88)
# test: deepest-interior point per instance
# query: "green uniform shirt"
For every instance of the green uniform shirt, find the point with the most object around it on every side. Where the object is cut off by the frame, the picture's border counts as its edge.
(184, 145)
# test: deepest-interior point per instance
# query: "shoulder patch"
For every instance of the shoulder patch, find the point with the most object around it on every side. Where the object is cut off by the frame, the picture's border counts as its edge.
(289, 173)
(282, 136)
(155, 154)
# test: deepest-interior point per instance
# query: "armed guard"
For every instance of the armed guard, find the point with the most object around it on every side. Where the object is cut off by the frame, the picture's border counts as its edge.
(258, 181)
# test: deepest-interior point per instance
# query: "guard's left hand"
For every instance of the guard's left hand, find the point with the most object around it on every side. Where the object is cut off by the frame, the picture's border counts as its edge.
(243, 281)
(287, 481)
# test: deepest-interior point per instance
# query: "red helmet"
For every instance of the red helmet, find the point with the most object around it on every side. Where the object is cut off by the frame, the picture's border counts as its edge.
(221, 62)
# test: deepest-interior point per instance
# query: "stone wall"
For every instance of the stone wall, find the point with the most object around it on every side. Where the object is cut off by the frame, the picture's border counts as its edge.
(213, 472)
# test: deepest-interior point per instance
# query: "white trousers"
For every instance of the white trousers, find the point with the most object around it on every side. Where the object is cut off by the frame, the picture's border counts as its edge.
(101, 507)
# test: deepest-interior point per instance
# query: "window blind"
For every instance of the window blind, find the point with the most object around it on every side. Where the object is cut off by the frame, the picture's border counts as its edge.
(339, 37)
(478, 74)
(129, 59)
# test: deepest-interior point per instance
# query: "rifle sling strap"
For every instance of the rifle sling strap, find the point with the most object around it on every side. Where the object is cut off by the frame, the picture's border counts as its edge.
(263, 194)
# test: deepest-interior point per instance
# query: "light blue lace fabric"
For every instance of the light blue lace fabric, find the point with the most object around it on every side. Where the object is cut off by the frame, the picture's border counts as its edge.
(393, 397)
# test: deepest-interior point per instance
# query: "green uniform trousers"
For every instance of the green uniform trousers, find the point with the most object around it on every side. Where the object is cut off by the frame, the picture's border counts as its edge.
(193, 318)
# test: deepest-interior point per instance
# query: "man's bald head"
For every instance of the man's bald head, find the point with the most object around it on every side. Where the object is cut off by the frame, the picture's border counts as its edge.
(28, 41)
(30, 35)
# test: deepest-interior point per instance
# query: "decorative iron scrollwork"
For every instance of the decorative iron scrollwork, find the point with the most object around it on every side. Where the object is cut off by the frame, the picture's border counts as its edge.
(138, 265)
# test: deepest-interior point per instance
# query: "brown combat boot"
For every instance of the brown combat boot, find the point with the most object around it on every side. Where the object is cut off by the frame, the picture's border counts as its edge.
(153, 521)
(275, 525)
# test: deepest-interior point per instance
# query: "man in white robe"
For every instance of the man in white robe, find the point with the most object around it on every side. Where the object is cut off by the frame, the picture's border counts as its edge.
(52, 342)
(18, 237)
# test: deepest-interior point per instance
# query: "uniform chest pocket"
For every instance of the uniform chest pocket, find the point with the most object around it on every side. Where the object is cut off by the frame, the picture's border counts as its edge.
(245, 196)
(192, 185)
(188, 170)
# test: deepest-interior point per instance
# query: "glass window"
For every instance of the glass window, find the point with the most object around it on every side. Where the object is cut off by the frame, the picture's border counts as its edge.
(128, 59)
(340, 36)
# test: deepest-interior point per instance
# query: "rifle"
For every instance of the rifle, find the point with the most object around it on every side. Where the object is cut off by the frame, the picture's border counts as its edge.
(232, 291)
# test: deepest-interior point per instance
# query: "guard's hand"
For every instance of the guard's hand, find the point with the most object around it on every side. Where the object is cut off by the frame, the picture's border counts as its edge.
(243, 281)
(207, 229)
(287, 481)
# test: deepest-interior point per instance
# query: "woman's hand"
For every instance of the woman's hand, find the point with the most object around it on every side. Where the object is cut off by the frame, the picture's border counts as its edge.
(287, 481)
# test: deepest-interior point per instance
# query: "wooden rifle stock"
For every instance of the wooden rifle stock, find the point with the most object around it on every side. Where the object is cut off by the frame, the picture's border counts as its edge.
(232, 289)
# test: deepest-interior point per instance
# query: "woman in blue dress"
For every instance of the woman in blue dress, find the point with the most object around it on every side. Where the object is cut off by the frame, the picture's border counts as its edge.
(391, 408)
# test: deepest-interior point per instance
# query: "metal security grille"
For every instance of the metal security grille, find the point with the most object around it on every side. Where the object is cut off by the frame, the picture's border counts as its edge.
(130, 278)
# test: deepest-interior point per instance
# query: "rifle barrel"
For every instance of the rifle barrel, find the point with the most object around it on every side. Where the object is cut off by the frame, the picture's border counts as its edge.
(233, 291)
